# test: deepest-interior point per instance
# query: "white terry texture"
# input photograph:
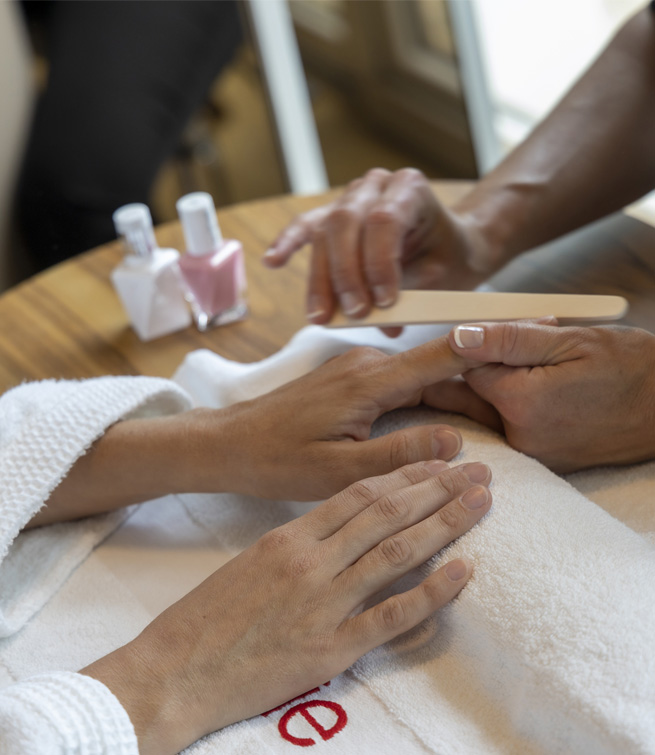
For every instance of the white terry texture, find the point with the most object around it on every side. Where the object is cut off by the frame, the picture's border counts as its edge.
(549, 648)
(44, 428)
(63, 714)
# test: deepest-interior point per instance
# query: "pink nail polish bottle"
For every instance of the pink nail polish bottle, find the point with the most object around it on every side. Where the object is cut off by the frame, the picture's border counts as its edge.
(148, 280)
(213, 269)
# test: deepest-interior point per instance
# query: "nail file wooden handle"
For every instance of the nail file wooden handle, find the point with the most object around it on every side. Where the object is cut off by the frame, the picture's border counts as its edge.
(420, 307)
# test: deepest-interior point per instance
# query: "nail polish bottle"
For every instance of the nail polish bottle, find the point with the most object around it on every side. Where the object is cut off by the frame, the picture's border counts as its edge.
(213, 269)
(148, 280)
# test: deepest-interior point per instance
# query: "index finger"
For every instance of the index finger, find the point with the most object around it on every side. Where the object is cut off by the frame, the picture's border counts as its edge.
(294, 237)
(413, 370)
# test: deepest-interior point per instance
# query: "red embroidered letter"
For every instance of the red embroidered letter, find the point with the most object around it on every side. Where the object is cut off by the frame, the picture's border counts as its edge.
(325, 734)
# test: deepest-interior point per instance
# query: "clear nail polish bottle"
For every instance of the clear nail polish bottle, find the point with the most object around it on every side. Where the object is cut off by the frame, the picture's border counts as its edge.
(213, 269)
(148, 280)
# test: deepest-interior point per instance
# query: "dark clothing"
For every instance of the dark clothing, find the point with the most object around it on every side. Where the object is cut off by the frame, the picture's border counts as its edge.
(124, 79)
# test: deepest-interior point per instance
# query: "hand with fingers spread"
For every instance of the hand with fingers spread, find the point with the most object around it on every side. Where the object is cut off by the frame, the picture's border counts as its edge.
(284, 616)
(571, 397)
(385, 232)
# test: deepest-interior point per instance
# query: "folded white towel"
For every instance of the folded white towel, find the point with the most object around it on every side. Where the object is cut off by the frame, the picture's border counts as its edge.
(550, 648)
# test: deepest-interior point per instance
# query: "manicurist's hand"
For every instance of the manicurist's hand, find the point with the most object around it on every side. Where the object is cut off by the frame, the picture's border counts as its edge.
(571, 397)
(284, 616)
(385, 232)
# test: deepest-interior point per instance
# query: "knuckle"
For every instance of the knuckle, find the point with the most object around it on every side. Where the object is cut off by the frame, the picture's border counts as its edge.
(411, 175)
(341, 217)
(399, 450)
(393, 508)
(391, 614)
(382, 215)
(510, 338)
(449, 483)
(300, 564)
(377, 174)
(433, 591)
(362, 355)
(276, 539)
(450, 518)
(364, 491)
(396, 552)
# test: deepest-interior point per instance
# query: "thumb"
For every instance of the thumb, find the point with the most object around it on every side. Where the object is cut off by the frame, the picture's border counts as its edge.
(516, 344)
(382, 455)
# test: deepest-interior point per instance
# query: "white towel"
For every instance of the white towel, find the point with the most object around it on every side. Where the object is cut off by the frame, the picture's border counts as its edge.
(548, 649)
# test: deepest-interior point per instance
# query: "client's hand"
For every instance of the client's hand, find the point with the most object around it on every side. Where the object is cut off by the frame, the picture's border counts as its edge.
(310, 438)
(571, 397)
(304, 441)
(386, 231)
(284, 616)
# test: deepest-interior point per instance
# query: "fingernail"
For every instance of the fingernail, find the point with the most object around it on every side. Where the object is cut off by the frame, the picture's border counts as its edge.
(456, 570)
(315, 308)
(270, 252)
(446, 443)
(475, 498)
(384, 296)
(476, 472)
(436, 466)
(469, 336)
(351, 303)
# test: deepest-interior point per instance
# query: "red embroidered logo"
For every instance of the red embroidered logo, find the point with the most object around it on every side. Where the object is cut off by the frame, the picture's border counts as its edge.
(303, 710)
(324, 732)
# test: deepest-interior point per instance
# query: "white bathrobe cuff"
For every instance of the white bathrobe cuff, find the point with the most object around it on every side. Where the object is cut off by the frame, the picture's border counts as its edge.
(63, 713)
(44, 428)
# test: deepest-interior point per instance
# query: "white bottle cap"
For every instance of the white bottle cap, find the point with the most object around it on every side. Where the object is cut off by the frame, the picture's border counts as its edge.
(198, 216)
(133, 224)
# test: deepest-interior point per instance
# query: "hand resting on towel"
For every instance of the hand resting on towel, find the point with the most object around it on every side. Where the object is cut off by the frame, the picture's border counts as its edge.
(307, 440)
(284, 615)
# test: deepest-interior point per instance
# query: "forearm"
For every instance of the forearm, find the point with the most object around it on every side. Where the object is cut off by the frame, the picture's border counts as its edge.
(137, 460)
(591, 156)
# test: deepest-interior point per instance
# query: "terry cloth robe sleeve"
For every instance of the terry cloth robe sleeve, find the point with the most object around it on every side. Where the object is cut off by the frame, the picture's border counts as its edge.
(44, 428)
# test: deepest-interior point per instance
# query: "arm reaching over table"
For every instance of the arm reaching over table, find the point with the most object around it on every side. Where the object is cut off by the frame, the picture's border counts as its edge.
(591, 156)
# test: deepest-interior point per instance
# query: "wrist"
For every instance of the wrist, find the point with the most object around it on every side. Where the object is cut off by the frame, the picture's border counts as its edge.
(146, 682)
(496, 220)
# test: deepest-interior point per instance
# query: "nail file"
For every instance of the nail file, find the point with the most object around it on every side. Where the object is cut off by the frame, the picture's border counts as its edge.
(420, 307)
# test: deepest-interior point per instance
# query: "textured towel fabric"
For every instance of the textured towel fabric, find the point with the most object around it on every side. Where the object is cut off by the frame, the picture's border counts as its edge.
(64, 713)
(549, 648)
(44, 428)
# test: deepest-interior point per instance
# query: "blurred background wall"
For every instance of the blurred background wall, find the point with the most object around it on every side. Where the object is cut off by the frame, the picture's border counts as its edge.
(445, 86)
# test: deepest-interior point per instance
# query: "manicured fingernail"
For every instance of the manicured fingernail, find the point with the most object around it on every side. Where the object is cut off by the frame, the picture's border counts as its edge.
(446, 443)
(476, 472)
(475, 498)
(384, 296)
(270, 252)
(351, 303)
(469, 336)
(456, 570)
